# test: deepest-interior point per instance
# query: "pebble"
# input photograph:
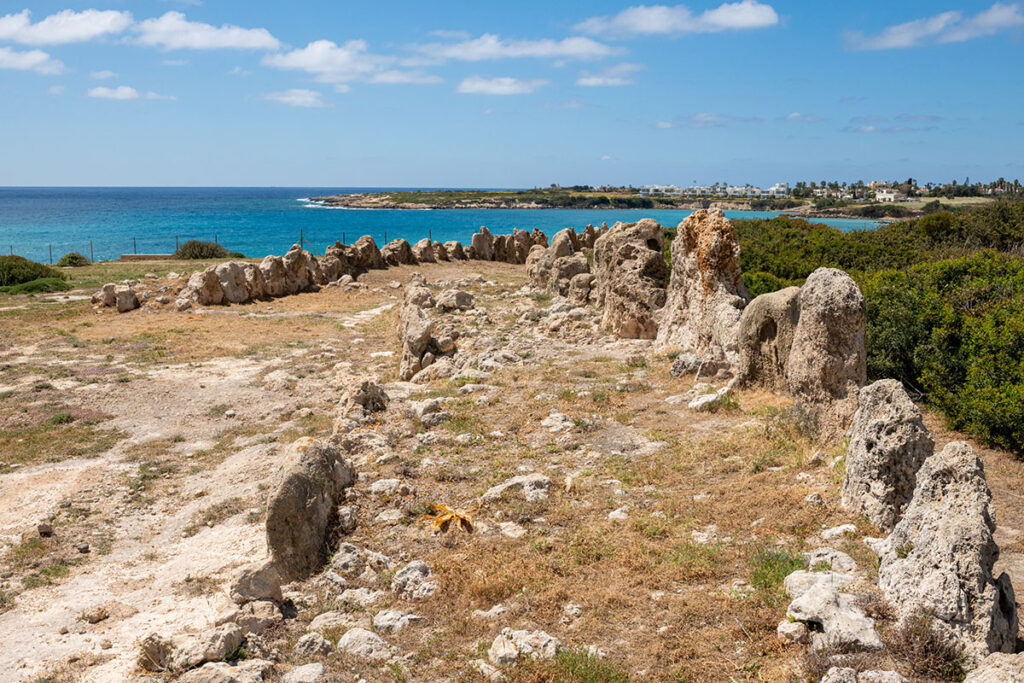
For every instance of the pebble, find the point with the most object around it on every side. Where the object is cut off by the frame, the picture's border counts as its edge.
(82, 547)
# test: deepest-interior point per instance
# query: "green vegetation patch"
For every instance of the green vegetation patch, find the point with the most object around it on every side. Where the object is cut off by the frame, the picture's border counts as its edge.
(196, 250)
(41, 285)
(73, 260)
(15, 270)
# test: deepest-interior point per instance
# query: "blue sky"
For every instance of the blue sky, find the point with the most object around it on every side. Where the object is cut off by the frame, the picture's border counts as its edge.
(495, 94)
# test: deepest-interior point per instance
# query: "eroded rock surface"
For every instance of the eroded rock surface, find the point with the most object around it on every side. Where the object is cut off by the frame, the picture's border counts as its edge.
(631, 278)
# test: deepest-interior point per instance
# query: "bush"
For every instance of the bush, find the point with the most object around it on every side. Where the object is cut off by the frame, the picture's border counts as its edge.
(73, 260)
(40, 286)
(954, 332)
(15, 270)
(196, 249)
(927, 652)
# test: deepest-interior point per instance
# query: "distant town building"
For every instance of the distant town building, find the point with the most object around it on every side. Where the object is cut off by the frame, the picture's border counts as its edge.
(887, 195)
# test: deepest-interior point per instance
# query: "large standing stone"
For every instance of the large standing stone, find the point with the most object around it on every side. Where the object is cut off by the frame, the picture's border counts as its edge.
(397, 252)
(839, 621)
(631, 275)
(274, 276)
(125, 299)
(888, 444)
(539, 238)
(335, 264)
(301, 505)
(297, 275)
(414, 329)
(706, 294)
(483, 245)
(553, 268)
(767, 326)
(827, 362)
(440, 252)
(938, 560)
(232, 282)
(105, 296)
(365, 255)
(455, 251)
(518, 245)
(255, 283)
(204, 288)
(423, 251)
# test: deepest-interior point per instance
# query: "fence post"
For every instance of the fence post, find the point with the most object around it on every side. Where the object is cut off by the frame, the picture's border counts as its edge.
(135, 246)
(215, 240)
(430, 234)
(302, 237)
(51, 254)
(92, 255)
(385, 237)
(177, 248)
(343, 238)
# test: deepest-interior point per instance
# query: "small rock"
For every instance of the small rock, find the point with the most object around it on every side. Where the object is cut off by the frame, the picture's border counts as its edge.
(365, 644)
(814, 499)
(313, 645)
(792, 632)
(308, 673)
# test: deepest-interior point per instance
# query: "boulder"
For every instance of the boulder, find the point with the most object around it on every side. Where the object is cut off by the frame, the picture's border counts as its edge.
(631, 275)
(454, 300)
(579, 289)
(335, 264)
(999, 667)
(204, 288)
(511, 644)
(105, 296)
(440, 252)
(274, 276)
(254, 617)
(414, 329)
(302, 504)
(469, 251)
(243, 671)
(706, 294)
(365, 255)
(827, 362)
(518, 246)
(455, 251)
(256, 582)
(938, 559)
(125, 299)
(539, 238)
(414, 581)
(232, 282)
(255, 283)
(419, 296)
(888, 444)
(397, 252)
(836, 618)
(307, 673)
(367, 397)
(534, 487)
(588, 237)
(297, 270)
(365, 644)
(180, 653)
(766, 330)
(423, 251)
(483, 245)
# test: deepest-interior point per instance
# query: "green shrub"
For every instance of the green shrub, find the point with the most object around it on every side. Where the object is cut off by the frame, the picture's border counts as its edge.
(15, 270)
(73, 260)
(196, 249)
(40, 286)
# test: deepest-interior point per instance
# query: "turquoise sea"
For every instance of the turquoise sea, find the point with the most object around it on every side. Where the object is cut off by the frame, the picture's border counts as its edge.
(109, 221)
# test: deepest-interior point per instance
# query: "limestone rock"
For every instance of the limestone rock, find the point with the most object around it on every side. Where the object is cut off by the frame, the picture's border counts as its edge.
(257, 582)
(454, 300)
(254, 617)
(415, 330)
(534, 487)
(302, 503)
(392, 621)
(362, 643)
(246, 671)
(255, 283)
(838, 619)
(274, 276)
(413, 581)
(539, 238)
(312, 645)
(850, 675)
(367, 397)
(631, 278)
(510, 645)
(397, 252)
(204, 288)
(232, 282)
(455, 251)
(939, 557)
(706, 294)
(765, 339)
(483, 245)
(125, 299)
(827, 362)
(365, 255)
(105, 296)
(307, 673)
(579, 289)
(423, 251)
(888, 443)
(159, 653)
(999, 667)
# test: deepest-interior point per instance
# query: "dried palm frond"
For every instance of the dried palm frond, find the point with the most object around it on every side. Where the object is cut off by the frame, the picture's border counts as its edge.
(451, 519)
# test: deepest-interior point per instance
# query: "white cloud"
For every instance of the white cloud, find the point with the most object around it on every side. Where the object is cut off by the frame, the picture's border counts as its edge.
(157, 96)
(329, 62)
(664, 125)
(55, 90)
(32, 60)
(102, 75)
(797, 117)
(490, 46)
(715, 120)
(617, 75)
(947, 27)
(499, 86)
(121, 92)
(297, 97)
(393, 76)
(64, 27)
(173, 31)
(644, 20)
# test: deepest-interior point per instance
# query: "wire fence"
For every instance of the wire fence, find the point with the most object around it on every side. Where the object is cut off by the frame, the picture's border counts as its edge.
(112, 248)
